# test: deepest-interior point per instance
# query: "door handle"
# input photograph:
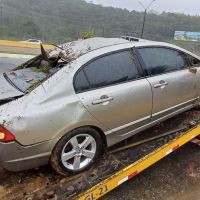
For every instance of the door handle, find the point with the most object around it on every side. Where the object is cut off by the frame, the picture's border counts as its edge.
(161, 84)
(103, 99)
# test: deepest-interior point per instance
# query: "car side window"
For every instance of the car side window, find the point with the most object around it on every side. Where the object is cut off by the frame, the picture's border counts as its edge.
(81, 83)
(159, 60)
(105, 71)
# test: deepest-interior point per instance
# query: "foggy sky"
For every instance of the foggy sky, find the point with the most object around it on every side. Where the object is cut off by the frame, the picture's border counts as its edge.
(191, 7)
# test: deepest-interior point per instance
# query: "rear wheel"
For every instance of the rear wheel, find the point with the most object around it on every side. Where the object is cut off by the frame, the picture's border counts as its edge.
(76, 151)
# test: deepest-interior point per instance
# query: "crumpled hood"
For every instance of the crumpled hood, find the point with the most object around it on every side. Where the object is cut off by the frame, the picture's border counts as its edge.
(7, 90)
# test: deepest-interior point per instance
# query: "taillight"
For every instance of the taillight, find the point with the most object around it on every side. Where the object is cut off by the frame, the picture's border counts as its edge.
(5, 135)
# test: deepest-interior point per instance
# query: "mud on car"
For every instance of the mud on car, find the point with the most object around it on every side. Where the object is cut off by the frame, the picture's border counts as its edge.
(67, 105)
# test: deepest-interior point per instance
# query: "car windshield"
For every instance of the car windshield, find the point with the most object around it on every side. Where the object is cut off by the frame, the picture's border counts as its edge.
(33, 72)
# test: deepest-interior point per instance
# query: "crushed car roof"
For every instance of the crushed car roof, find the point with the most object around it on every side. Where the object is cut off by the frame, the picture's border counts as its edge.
(80, 47)
(75, 49)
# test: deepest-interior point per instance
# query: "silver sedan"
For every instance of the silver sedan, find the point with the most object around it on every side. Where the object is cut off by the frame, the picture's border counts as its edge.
(66, 106)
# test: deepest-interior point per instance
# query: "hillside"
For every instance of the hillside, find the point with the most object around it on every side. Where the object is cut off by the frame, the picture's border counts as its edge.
(64, 20)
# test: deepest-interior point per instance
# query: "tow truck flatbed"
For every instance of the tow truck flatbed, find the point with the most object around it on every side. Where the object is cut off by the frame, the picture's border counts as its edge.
(121, 164)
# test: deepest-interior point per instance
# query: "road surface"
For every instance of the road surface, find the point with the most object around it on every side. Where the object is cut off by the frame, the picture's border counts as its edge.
(10, 61)
(177, 177)
(21, 50)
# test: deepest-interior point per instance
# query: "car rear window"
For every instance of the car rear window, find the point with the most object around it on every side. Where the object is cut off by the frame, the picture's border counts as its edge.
(32, 73)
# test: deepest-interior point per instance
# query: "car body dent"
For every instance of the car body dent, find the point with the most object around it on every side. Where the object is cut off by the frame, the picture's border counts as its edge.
(80, 47)
(48, 112)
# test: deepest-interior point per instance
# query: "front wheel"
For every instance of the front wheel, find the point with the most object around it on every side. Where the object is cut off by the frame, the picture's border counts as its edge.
(76, 151)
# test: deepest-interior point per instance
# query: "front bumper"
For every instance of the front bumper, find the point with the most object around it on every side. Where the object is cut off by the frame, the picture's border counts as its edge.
(15, 157)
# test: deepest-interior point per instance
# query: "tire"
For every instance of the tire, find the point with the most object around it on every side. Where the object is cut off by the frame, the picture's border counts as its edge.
(79, 157)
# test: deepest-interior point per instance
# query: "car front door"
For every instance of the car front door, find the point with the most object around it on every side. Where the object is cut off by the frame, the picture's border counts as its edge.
(173, 83)
(194, 64)
(112, 90)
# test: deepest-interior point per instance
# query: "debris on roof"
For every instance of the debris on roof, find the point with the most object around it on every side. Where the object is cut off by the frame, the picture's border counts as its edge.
(77, 48)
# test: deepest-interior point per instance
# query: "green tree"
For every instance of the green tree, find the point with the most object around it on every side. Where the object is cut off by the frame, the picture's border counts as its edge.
(30, 29)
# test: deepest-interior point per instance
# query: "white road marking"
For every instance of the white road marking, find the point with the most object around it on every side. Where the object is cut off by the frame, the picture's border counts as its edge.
(6, 55)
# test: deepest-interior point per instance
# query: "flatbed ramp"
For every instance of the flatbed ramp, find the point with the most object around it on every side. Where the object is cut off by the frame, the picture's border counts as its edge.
(114, 169)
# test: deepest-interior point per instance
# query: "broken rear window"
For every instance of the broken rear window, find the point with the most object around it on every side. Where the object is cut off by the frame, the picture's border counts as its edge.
(33, 72)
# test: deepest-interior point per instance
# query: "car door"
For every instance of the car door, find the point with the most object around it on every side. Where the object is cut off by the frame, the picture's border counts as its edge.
(112, 90)
(173, 83)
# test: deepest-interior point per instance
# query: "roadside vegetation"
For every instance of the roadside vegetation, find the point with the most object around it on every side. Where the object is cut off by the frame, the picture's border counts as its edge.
(88, 34)
(65, 20)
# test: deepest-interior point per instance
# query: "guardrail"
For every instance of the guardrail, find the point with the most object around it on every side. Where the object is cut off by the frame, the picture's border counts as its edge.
(10, 43)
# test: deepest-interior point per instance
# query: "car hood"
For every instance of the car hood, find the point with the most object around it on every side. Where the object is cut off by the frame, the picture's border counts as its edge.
(7, 90)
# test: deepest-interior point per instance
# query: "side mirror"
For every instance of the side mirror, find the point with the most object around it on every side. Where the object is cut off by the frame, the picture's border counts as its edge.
(193, 70)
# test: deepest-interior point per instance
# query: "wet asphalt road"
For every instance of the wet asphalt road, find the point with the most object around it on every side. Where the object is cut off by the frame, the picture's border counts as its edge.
(177, 177)
(10, 63)
(20, 50)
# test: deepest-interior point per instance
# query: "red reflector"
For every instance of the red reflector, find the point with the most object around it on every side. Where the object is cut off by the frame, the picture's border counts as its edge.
(175, 148)
(5, 135)
(132, 175)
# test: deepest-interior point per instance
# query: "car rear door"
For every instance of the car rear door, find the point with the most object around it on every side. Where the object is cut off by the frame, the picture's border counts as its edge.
(173, 83)
(112, 90)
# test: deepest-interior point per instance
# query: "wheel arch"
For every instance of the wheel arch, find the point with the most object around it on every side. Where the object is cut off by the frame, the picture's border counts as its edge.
(102, 134)
(99, 130)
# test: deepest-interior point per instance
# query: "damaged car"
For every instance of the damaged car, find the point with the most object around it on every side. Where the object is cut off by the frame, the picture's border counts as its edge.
(67, 105)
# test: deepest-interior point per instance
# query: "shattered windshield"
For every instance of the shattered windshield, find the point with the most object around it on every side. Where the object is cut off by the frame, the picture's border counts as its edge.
(32, 73)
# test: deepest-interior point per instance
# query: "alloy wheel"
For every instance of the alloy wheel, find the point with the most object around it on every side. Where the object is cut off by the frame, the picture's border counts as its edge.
(78, 152)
